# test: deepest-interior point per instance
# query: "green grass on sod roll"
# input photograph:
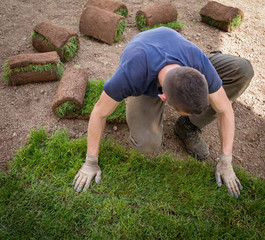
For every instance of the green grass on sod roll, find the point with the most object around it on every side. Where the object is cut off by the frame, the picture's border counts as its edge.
(140, 21)
(139, 197)
(119, 30)
(66, 108)
(236, 22)
(122, 11)
(141, 24)
(93, 92)
(7, 72)
(69, 50)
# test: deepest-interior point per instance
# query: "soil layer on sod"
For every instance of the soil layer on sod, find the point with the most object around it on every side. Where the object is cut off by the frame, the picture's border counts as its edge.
(67, 108)
(47, 37)
(109, 5)
(101, 24)
(223, 17)
(29, 68)
(158, 14)
(72, 88)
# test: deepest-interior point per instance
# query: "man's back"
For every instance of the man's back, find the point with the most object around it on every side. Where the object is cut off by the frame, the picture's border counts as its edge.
(146, 54)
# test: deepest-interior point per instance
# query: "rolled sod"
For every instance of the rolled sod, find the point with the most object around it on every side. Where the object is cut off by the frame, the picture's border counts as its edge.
(31, 68)
(71, 91)
(101, 24)
(69, 109)
(47, 37)
(164, 14)
(223, 17)
(109, 5)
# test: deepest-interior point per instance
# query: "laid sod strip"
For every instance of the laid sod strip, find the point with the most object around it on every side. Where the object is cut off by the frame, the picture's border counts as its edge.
(101, 24)
(110, 5)
(164, 14)
(221, 16)
(93, 92)
(47, 37)
(138, 197)
(141, 24)
(27, 68)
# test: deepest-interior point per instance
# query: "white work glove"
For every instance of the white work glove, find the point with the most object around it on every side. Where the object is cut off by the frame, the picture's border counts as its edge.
(224, 173)
(86, 173)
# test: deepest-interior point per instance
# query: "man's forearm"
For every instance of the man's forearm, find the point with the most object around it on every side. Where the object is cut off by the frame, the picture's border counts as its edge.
(95, 129)
(226, 127)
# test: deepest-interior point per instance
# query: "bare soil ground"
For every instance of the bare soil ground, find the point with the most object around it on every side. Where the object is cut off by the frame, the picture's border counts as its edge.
(26, 107)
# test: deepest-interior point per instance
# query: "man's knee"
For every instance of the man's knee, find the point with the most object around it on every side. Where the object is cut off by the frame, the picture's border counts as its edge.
(245, 71)
(147, 144)
(238, 79)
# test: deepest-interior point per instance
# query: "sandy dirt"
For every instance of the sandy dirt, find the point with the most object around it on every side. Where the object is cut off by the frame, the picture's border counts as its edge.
(27, 107)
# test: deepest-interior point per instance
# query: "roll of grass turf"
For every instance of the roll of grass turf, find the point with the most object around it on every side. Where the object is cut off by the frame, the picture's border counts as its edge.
(47, 37)
(109, 5)
(164, 14)
(69, 109)
(101, 24)
(223, 17)
(71, 91)
(29, 68)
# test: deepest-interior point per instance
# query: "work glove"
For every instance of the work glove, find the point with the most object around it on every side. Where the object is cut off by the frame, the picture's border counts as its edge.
(86, 173)
(224, 173)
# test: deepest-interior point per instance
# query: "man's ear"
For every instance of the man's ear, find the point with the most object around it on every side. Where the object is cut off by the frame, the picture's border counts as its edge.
(162, 97)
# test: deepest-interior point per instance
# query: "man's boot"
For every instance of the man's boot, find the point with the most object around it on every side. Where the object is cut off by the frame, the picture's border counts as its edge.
(190, 134)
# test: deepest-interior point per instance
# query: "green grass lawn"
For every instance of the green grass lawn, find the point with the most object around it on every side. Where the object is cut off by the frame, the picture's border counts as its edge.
(138, 197)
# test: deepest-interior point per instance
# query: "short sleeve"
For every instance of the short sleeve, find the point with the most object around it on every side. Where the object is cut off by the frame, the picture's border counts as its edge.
(116, 87)
(212, 77)
(129, 78)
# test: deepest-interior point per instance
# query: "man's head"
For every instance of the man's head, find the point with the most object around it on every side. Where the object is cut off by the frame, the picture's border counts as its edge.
(186, 90)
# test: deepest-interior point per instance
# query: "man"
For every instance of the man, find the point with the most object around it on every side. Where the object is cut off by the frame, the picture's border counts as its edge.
(160, 65)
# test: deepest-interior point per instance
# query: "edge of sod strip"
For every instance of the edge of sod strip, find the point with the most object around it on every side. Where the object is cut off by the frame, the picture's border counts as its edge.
(93, 92)
(119, 31)
(141, 24)
(69, 50)
(7, 72)
(123, 12)
(236, 22)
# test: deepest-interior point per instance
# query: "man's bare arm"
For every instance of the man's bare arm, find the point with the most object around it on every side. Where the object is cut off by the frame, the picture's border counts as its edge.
(90, 169)
(225, 119)
(103, 108)
(224, 172)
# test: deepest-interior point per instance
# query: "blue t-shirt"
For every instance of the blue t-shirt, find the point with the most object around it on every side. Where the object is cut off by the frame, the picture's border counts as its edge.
(146, 54)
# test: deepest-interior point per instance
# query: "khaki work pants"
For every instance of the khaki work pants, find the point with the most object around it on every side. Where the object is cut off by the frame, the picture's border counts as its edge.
(145, 114)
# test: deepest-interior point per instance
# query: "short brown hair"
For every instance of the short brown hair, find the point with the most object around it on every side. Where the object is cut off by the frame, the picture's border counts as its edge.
(186, 90)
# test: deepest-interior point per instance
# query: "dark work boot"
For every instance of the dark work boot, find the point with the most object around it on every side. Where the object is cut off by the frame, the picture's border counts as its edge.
(190, 134)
